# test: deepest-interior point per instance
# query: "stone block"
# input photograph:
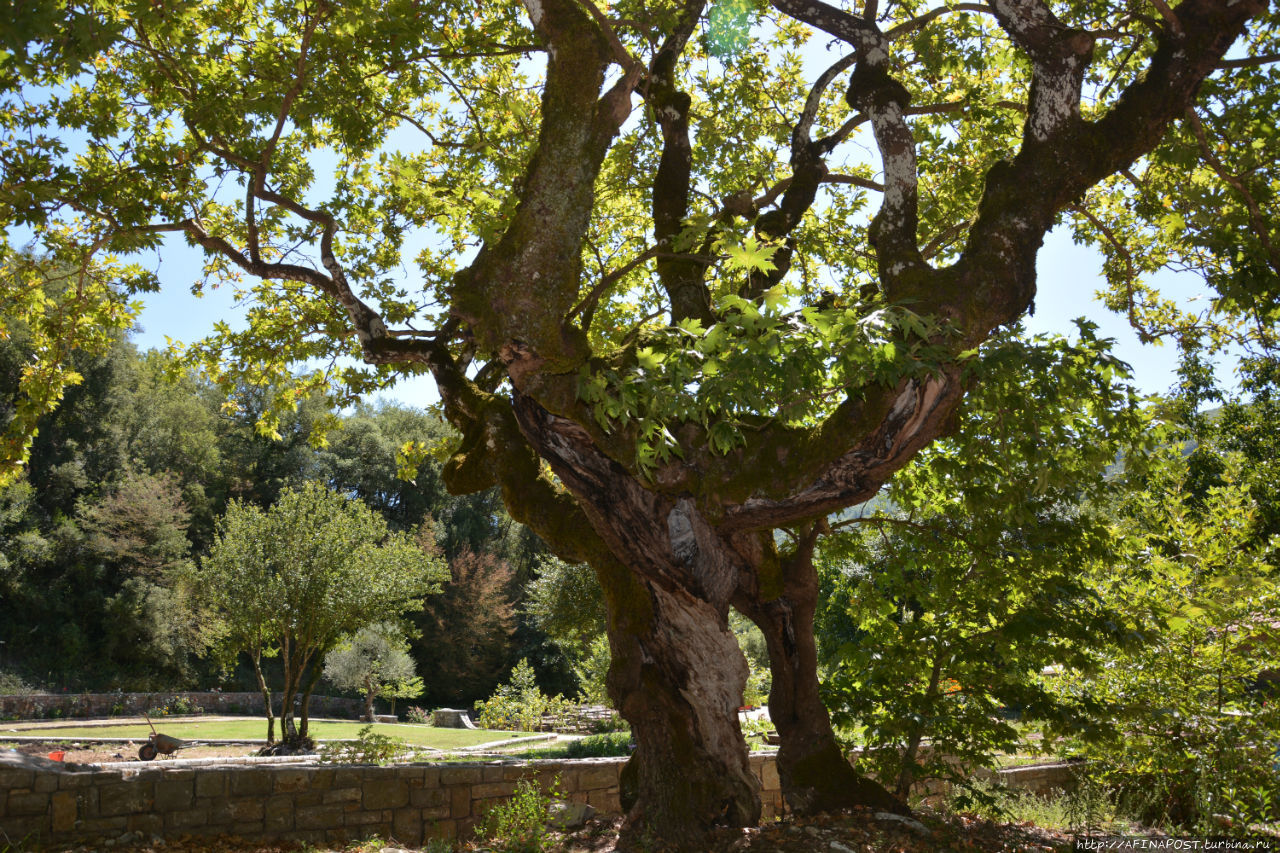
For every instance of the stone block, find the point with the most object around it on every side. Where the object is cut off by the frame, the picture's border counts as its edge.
(277, 813)
(211, 783)
(322, 778)
(318, 817)
(237, 810)
(435, 812)
(514, 772)
(252, 782)
(315, 798)
(147, 824)
(412, 773)
(66, 809)
(460, 801)
(591, 778)
(386, 794)
(291, 779)
(443, 829)
(461, 775)
(430, 777)
(406, 826)
(492, 773)
(45, 783)
(21, 829)
(348, 777)
(107, 827)
(428, 797)
(358, 817)
(175, 794)
(27, 803)
(605, 802)
(769, 780)
(187, 820)
(341, 795)
(74, 780)
(488, 790)
(16, 778)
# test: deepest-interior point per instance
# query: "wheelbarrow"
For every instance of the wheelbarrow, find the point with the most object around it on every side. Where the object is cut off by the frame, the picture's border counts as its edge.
(160, 744)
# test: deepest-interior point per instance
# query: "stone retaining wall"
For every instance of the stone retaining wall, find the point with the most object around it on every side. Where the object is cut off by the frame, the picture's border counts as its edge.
(46, 802)
(40, 706)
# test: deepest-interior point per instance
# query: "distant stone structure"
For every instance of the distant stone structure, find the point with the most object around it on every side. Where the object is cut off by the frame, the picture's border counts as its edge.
(452, 718)
(43, 706)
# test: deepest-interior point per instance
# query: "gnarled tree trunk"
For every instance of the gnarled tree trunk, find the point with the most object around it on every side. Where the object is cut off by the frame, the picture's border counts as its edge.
(678, 683)
(815, 774)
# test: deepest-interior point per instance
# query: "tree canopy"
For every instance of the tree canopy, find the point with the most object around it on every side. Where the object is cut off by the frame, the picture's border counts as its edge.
(684, 272)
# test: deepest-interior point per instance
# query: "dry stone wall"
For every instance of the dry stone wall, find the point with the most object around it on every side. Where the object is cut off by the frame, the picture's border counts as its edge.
(47, 802)
(55, 705)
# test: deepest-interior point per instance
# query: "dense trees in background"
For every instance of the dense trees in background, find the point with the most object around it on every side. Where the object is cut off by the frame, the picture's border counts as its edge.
(102, 537)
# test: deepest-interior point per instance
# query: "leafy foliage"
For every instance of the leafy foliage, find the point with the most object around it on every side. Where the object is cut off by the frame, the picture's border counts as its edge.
(1194, 706)
(947, 597)
(466, 631)
(374, 662)
(519, 825)
(519, 704)
(315, 567)
(369, 747)
(758, 360)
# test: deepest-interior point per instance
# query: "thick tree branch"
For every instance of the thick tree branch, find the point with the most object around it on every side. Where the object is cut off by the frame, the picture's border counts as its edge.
(684, 281)
(1250, 61)
(1059, 56)
(893, 231)
(921, 21)
(862, 33)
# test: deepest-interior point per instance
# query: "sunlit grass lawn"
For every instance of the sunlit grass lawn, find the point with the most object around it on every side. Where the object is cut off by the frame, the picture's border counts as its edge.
(256, 729)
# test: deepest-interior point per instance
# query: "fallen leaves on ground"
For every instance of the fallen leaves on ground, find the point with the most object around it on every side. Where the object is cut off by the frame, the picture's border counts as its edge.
(855, 832)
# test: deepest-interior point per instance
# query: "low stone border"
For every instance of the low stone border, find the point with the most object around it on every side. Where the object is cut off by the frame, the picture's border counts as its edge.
(35, 706)
(48, 802)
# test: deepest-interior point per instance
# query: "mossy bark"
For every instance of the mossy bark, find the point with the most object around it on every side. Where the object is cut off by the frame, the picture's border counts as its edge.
(815, 775)
(677, 677)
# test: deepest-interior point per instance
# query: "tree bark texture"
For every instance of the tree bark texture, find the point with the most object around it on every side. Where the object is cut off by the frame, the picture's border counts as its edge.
(679, 684)
(815, 774)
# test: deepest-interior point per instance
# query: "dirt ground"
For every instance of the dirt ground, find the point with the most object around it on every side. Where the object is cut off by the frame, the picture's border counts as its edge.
(79, 752)
(847, 833)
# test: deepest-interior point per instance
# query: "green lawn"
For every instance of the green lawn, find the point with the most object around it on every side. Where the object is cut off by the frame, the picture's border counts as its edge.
(256, 729)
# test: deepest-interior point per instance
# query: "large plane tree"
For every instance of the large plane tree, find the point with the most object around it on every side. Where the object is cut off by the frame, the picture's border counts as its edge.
(685, 273)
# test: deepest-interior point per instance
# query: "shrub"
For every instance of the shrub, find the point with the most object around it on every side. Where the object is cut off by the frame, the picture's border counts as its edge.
(421, 716)
(13, 685)
(184, 705)
(369, 747)
(519, 705)
(601, 746)
(520, 824)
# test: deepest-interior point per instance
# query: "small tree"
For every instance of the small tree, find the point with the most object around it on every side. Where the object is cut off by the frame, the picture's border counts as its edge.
(961, 586)
(1193, 708)
(299, 577)
(376, 663)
